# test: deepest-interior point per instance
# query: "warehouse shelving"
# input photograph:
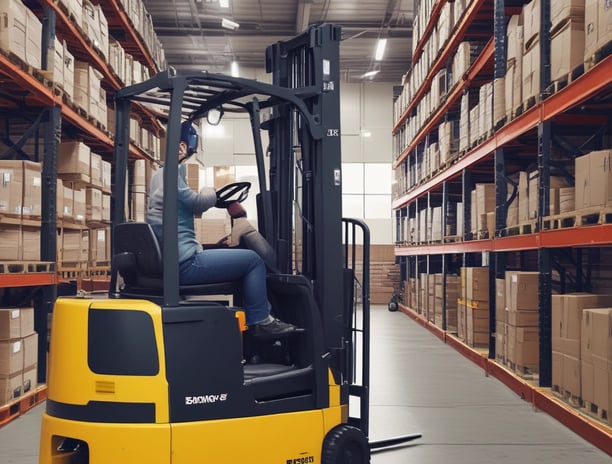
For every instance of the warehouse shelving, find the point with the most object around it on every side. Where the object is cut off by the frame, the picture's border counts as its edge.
(32, 89)
(571, 105)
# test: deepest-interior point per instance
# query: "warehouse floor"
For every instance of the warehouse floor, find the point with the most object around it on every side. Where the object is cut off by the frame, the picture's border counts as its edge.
(419, 385)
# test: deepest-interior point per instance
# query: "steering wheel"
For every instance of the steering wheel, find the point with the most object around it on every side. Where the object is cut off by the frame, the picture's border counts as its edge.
(230, 193)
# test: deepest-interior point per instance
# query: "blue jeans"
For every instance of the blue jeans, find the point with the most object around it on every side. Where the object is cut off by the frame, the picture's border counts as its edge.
(223, 265)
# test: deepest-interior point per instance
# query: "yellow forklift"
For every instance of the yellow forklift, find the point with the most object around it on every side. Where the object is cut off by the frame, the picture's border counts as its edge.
(155, 374)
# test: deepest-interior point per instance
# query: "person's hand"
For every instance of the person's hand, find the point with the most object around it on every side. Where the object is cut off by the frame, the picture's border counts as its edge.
(235, 210)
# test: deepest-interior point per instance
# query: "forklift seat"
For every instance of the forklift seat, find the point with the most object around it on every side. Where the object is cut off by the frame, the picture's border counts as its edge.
(138, 258)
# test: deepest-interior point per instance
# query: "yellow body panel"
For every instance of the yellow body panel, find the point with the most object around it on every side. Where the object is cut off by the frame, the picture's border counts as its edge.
(294, 437)
(68, 355)
(108, 443)
(280, 438)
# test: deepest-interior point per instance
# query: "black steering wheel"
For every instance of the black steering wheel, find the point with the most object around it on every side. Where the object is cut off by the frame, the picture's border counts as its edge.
(230, 193)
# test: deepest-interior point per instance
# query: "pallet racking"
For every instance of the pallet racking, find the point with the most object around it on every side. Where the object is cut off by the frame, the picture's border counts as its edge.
(565, 118)
(29, 90)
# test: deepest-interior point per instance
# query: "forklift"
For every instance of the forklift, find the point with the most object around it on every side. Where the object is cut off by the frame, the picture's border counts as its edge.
(153, 373)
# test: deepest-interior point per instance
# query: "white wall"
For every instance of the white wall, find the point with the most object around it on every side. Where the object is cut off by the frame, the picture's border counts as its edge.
(366, 123)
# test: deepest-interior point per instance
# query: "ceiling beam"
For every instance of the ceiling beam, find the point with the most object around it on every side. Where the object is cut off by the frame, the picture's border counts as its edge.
(302, 18)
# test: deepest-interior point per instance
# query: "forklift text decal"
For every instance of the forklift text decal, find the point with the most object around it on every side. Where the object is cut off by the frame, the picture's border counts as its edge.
(205, 399)
(302, 460)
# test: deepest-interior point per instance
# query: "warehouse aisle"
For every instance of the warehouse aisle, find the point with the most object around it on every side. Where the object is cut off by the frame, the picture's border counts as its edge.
(419, 385)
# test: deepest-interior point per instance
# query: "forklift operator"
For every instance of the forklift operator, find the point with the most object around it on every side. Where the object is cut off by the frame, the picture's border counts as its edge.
(199, 266)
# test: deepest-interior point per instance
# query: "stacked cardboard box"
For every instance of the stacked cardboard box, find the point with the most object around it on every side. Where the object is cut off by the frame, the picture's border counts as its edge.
(596, 362)
(594, 180)
(522, 303)
(598, 26)
(18, 353)
(567, 317)
(452, 298)
(501, 321)
(473, 306)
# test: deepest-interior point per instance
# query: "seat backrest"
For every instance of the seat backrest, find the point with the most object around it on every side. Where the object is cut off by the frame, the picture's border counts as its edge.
(138, 241)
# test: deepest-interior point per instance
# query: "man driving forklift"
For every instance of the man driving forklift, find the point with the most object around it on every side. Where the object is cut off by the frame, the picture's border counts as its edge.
(200, 266)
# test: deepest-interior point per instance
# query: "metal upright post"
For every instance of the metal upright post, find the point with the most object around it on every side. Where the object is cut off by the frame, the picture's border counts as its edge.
(43, 304)
(544, 255)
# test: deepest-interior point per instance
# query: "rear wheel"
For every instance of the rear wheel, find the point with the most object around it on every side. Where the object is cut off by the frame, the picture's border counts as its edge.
(345, 445)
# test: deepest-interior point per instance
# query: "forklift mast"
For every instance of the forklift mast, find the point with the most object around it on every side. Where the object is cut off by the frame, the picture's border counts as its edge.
(305, 173)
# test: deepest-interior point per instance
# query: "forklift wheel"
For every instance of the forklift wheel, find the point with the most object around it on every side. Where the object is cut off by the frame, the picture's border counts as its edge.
(345, 445)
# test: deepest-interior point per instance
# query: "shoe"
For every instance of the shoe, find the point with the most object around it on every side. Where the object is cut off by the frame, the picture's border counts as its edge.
(274, 329)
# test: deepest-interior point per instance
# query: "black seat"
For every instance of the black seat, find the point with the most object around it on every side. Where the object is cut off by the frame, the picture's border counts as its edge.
(138, 258)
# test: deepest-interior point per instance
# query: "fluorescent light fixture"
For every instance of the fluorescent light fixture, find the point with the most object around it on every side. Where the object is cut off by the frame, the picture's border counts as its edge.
(371, 73)
(229, 24)
(235, 70)
(224, 3)
(380, 49)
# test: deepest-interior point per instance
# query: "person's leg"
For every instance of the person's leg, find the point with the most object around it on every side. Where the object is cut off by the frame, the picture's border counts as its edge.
(222, 265)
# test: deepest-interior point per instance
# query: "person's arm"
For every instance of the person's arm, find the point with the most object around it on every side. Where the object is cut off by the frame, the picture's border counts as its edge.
(196, 202)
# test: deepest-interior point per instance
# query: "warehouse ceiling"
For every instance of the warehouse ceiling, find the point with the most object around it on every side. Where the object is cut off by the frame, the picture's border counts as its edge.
(193, 37)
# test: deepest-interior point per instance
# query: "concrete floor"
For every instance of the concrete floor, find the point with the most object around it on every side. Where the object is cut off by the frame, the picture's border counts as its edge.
(419, 384)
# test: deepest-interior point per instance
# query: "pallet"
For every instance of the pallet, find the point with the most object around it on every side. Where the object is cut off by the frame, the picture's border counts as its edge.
(21, 405)
(26, 267)
(524, 372)
(567, 396)
(578, 218)
(453, 239)
(520, 229)
(600, 54)
(594, 410)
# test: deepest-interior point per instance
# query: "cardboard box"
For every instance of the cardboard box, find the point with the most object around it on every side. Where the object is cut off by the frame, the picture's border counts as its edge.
(567, 200)
(11, 387)
(598, 26)
(594, 179)
(74, 158)
(13, 27)
(68, 84)
(561, 10)
(11, 357)
(30, 378)
(93, 199)
(79, 204)
(500, 300)
(523, 347)
(477, 284)
(11, 187)
(567, 48)
(531, 21)
(32, 189)
(30, 244)
(557, 371)
(566, 317)
(10, 243)
(522, 290)
(522, 318)
(33, 45)
(596, 335)
(30, 350)
(531, 70)
(16, 323)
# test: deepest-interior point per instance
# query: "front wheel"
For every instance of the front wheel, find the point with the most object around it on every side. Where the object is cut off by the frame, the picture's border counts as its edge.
(345, 445)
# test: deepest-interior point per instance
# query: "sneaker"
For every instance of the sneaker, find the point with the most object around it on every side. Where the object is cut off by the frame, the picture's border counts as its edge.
(274, 329)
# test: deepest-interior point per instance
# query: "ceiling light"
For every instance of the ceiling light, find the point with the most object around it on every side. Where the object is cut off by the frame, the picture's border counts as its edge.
(224, 3)
(229, 24)
(371, 73)
(235, 70)
(380, 49)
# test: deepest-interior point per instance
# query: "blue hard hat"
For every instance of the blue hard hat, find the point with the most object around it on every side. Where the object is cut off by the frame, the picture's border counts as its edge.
(189, 135)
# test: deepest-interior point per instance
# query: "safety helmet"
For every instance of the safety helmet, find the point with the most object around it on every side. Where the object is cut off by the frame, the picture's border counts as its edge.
(189, 135)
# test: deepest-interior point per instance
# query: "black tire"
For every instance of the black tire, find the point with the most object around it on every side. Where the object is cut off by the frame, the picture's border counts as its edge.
(345, 444)
(393, 306)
